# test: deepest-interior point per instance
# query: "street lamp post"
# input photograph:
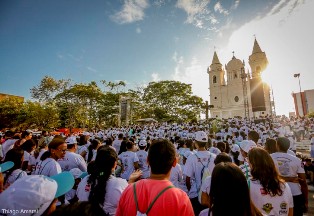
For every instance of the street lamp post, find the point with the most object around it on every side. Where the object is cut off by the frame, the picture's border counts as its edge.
(295, 76)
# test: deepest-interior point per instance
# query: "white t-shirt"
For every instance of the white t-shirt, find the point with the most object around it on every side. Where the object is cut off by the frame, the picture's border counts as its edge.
(277, 205)
(94, 155)
(7, 145)
(128, 159)
(15, 175)
(176, 175)
(289, 166)
(193, 168)
(114, 188)
(116, 144)
(142, 157)
(72, 160)
(26, 156)
(48, 167)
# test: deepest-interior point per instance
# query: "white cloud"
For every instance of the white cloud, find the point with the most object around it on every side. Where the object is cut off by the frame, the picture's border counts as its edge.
(91, 69)
(196, 10)
(236, 4)
(132, 11)
(138, 30)
(155, 77)
(285, 36)
(218, 7)
(159, 3)
(192, 73)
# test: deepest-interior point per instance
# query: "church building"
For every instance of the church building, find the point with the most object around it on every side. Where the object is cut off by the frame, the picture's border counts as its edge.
(237, 92)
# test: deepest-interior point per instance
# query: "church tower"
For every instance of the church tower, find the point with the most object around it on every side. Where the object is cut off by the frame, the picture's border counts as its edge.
(257, 60)
(216, 81)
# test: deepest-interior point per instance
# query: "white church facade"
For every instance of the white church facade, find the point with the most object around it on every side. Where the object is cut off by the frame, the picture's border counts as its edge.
(237, 92)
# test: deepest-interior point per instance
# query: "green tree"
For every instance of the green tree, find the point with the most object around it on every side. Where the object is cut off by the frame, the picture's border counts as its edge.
(49, 88)
(171, 101)
(10, 113)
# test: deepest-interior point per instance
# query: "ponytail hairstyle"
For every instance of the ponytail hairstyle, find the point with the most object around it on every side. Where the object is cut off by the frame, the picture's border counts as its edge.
(94, 144)
(103, 165)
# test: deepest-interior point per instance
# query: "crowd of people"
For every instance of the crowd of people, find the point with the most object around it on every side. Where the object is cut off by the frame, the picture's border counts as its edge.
(245, 167)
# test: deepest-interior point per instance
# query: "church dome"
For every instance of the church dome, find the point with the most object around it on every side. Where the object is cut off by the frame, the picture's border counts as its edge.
(234, 63)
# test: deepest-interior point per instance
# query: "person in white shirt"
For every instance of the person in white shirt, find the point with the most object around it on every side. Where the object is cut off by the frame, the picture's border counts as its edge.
(117, 143)
(142, 157)
(194, 166)
(49, 165)
(28, 146)
(270, 194)
(291, 169)
(92, 150)
(101, 186)
(8, 143)
(129, 161)
(205, 188)
(71, 159)
(176, 175)
(16, 156)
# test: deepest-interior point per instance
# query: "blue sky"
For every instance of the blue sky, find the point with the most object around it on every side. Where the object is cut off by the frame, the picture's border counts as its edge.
(139, 41)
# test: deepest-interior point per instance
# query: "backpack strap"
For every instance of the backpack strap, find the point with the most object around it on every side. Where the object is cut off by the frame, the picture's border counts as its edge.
(152, 203)
(159, 194)
(199, 159)
(135, 196)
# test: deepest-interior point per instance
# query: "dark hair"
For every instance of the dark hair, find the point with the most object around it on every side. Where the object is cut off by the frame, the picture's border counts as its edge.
(271, 145)
(104, 162)
(54, 144)
(129, 145)
(83, 140)
(264, 170)
(283, 144)
(28, 145)
(93, 145)
(221, 146)
(235, 156)
(253, 135)
(189, 144)
(108, 141)
(15, 155)
(25, 134)
(120, 136)
(227, 147)
(222, 192)
(123, 147)
(201, 144)
(222, 157)
(80, 208)
(161, 156)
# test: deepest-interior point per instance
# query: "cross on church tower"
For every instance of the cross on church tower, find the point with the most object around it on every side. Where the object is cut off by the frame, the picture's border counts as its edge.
(233, 55)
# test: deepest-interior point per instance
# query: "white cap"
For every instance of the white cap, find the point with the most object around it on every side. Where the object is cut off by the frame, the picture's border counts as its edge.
(201, 136)
(85, 133)
(235, 148)
(214, 150)
(247, 145)
(35, 192)
(71, 140)
(142, 143)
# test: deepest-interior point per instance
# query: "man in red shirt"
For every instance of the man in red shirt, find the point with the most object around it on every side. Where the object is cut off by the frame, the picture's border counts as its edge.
(156, 195)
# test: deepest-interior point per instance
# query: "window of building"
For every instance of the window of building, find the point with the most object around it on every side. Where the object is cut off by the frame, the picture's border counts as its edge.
(215, 98)
(235, 75)
(236, 98)
(214, 79)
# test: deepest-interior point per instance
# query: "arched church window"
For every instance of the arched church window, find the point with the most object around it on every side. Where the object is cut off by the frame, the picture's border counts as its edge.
(235, 75)
(214, 79)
